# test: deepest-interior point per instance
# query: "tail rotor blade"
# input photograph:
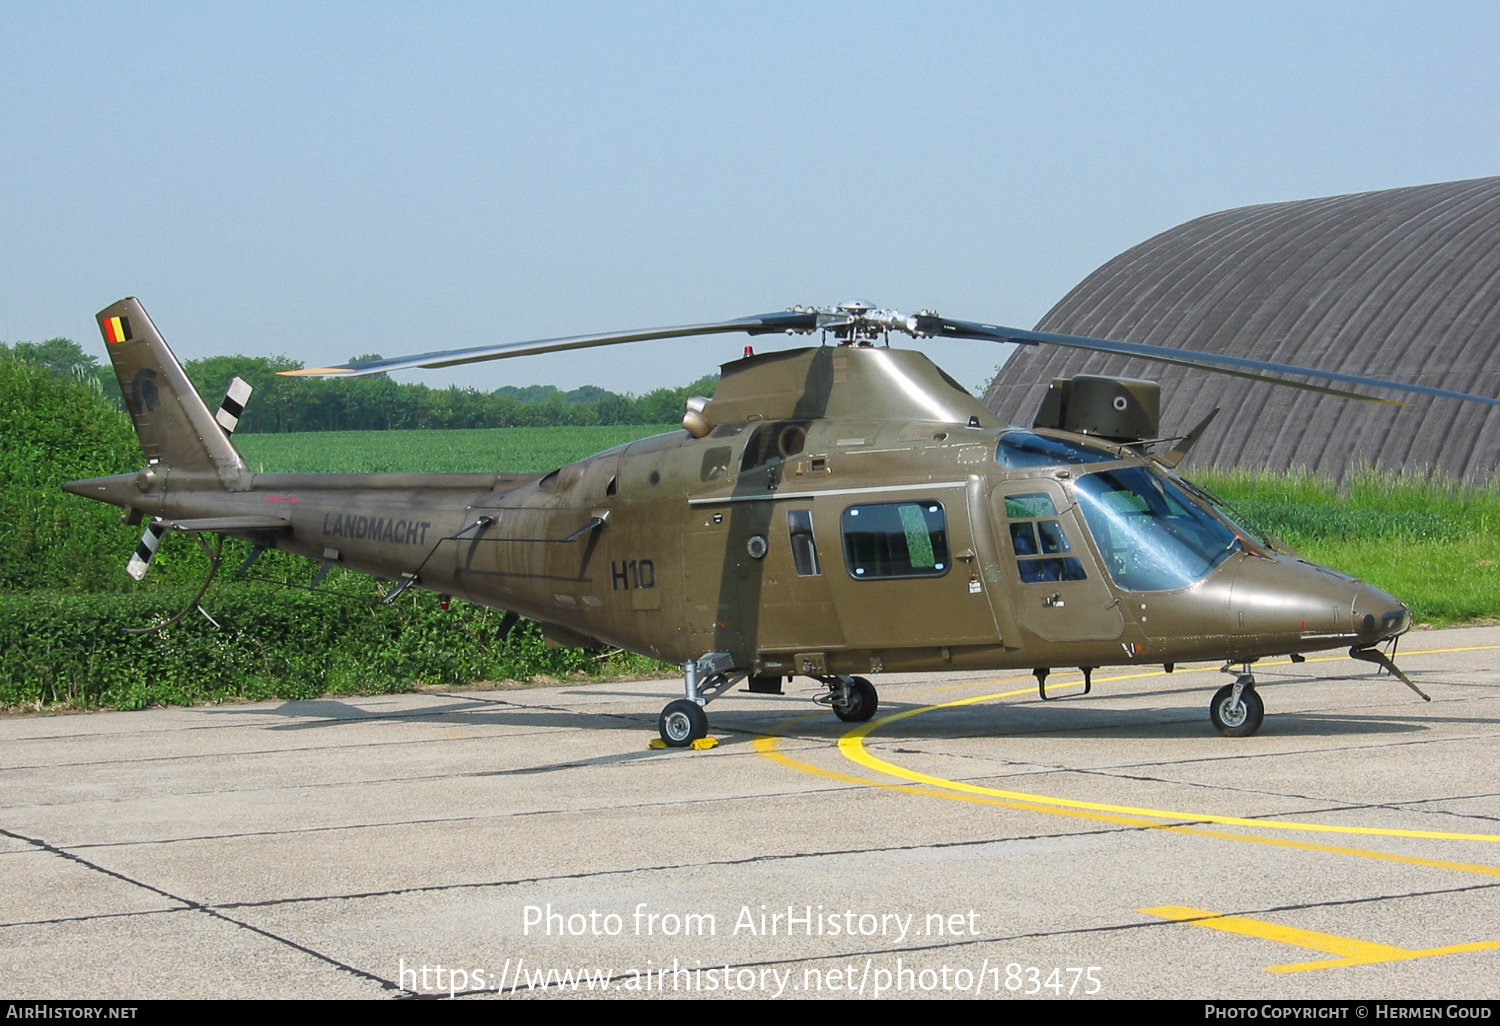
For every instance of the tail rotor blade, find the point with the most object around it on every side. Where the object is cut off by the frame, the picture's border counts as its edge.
(140, 562)
(233, 407)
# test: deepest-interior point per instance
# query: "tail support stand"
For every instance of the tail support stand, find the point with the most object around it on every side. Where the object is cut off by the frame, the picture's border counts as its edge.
(215, 557)
(1379, 658)
(407, 580)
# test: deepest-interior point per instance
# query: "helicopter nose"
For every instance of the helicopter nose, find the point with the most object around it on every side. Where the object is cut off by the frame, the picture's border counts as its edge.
(1293, 599)
(1376, 616)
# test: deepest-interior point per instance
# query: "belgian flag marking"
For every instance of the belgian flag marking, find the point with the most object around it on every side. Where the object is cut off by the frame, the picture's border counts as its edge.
(117, 329)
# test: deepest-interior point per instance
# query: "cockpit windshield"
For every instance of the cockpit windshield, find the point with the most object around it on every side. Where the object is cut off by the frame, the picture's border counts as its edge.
(1152, 535)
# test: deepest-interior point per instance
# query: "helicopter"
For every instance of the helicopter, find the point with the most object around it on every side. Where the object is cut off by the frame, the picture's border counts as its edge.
(833, 512)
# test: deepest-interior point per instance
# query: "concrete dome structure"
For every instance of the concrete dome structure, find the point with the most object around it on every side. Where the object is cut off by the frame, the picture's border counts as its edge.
(1401, 283)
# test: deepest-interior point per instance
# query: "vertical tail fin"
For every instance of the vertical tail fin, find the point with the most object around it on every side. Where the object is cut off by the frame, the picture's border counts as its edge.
(175, 427)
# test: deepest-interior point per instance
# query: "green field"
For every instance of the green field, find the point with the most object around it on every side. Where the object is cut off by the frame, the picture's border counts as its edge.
(519, 449)
(1433, 545)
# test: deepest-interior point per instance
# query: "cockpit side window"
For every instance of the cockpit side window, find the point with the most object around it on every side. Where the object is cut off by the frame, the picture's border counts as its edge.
(1038, 542)
(715, 465)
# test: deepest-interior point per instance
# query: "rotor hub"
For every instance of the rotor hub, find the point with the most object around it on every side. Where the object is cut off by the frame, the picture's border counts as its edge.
(860, 323)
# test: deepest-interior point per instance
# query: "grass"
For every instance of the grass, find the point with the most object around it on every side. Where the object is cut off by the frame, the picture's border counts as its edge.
(1434, 545)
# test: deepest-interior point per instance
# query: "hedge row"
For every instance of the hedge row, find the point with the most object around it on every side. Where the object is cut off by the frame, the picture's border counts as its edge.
(69, 650)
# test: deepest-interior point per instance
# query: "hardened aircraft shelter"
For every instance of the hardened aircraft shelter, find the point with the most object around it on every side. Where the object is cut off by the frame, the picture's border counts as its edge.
(1401, 283)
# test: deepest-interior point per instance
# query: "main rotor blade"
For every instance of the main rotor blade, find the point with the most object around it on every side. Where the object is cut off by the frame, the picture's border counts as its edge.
(788, 321)
(946, 328)
(924, 325)
(1306, 386)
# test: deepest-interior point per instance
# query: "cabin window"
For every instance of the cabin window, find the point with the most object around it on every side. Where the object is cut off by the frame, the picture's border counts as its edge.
(896, 539)
(1040, 545)
(804, 546)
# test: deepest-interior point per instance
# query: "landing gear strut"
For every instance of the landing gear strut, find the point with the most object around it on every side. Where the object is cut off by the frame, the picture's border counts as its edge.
(853, 699)
(682, 722)
(1236, 709)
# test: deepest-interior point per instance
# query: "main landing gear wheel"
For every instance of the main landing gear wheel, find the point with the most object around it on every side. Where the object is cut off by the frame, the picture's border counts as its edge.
(860, 704)
(1236, 721)
(681, 723)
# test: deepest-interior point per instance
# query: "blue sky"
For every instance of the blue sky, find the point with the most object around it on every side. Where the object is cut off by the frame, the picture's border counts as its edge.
(328, 179)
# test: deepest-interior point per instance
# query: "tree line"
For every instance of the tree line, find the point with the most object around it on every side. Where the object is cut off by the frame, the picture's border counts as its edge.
(374, 403)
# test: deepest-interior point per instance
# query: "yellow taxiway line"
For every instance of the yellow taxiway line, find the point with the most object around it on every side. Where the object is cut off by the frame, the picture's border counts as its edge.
(1350, 950)
(851, 745)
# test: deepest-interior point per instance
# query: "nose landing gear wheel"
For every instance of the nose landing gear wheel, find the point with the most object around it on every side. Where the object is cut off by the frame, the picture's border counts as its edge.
(860, 704)
(1236, 721)
(681, 723)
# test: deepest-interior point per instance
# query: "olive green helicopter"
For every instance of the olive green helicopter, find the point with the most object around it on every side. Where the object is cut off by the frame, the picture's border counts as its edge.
(833, 512)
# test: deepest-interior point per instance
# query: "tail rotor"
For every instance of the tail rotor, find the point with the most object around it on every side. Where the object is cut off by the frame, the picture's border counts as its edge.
(228, 418)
